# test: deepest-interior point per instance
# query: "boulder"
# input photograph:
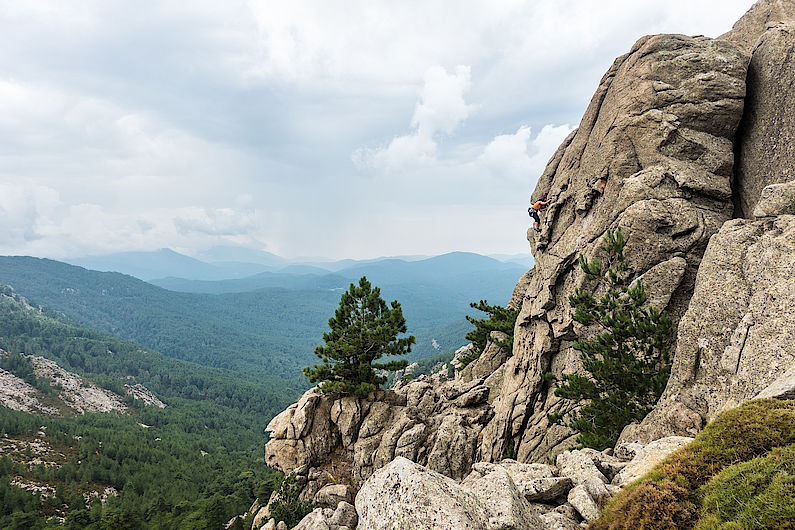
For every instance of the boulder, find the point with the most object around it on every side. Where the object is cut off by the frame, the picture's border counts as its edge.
(648, 457)
(505, 504)
(775, 200)
(583, 503)
(345, 515)
(579, 466)
(317, 519)
(406, 495)
(332, 494)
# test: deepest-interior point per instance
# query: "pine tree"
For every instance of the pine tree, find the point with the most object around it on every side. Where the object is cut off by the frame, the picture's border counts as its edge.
(500, 319)
(628, 362)
(363, 329)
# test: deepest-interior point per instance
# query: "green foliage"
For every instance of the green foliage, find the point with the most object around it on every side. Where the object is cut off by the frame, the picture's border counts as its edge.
(739, 472)
(500, 319)
(286, 505)
(628, 362)
(363, 329)
(759, 493)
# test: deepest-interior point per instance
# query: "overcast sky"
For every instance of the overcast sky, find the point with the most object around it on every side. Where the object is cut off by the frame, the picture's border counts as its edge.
(345, 129)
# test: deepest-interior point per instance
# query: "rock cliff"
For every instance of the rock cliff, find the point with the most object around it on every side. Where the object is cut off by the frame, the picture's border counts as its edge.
(687, 145)
(654, 155)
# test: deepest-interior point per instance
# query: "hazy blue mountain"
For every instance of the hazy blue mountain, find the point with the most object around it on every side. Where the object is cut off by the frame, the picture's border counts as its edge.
(525, 259)
(262, 280)
(230, 253)
(166, 262)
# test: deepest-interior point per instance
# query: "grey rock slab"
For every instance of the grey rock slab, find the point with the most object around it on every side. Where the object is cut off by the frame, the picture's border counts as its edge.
(403, 494)
(648, 457)
(345, 515)
(583, 503)
(332, 494)
(766, 138)
(781, 388)
(738, 334)
(579, 466)
(775, 200)
(504, 503)
(546, 489)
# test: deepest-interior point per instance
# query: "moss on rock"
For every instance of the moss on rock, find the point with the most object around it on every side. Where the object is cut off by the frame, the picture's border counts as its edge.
(744, 459)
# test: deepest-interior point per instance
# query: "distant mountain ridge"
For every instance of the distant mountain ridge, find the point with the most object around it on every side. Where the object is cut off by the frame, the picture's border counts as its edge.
(267, 325)
(230, 263)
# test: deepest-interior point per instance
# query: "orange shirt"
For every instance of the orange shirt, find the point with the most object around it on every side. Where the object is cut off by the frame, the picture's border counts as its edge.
(539, 206)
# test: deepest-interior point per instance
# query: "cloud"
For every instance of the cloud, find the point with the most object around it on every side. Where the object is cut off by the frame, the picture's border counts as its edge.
(440, 110)
(515, 156)
(143, 125)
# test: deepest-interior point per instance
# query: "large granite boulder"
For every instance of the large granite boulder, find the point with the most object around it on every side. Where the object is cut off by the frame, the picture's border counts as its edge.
(406, 495)
(738, 335)
(653, 155)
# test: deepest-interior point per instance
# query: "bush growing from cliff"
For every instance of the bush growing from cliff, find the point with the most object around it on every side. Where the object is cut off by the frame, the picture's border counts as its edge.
(363, 329)
(628, 363)
(287, 506)
(500, 319)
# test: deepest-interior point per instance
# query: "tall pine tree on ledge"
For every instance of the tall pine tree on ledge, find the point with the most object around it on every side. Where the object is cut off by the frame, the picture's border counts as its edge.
(627, 361)
(363, 329)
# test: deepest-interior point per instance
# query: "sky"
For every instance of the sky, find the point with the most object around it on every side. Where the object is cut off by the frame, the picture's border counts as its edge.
(346, 129)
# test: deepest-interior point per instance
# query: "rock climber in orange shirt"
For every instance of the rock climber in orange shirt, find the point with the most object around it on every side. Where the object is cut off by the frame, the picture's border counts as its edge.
(539, 206)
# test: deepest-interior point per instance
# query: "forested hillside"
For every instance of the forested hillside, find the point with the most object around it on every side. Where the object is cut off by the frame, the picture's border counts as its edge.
(269, 332)
(194, 463)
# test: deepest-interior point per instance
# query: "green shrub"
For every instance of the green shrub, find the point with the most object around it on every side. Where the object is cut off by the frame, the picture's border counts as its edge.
(286, 505)
(737, 473)
(759, 493)
(500, 319)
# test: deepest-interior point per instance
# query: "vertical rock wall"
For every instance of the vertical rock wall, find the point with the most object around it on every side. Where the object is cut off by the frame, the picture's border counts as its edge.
(653, 155)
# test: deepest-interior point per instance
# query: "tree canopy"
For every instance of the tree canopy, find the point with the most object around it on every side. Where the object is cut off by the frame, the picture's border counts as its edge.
(363, 329)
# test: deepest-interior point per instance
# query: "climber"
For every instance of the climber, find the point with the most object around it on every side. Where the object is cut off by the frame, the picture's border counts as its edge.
(539, 206)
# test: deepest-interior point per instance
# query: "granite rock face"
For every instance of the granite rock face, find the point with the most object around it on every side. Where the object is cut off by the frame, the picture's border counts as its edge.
(331, 440)
(653, 155)
(746, 32)
(738, 335)
(766, 139)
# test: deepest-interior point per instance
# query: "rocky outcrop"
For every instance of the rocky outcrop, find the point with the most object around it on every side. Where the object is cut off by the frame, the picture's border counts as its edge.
(336, 439)
(746, 32)
(738, 335)
(72, 394)
(654, 155)
(659, 154)
(16, 394)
